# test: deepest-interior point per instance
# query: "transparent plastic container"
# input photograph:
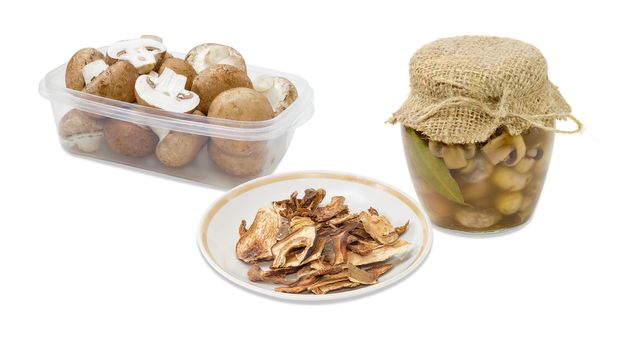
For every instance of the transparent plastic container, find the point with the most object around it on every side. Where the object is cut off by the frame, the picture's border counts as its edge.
(268, 140)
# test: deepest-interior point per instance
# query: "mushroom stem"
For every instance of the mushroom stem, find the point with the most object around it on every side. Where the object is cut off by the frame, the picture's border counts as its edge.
(454, 157)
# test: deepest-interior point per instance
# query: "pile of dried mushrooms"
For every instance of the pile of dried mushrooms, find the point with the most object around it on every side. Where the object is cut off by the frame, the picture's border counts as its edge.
(318, 249)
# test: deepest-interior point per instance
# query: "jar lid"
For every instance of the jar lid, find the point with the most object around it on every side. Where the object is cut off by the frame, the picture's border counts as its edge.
(465, 88)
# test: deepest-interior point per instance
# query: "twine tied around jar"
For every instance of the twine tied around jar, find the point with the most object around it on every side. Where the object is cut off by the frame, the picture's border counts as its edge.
(465, 88)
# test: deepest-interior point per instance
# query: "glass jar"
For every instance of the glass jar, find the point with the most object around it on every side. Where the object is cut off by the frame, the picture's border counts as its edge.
(479, 187)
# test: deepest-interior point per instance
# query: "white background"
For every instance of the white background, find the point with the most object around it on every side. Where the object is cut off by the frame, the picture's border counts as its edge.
(93, 256)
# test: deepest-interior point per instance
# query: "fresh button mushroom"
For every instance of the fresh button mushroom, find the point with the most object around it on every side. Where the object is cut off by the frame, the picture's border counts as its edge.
(177, 149)
(180, 67)
(242, 104)
(143, 53)
(505, 148)
(74, 77)
(280, 92)
(117, 82)
(212, 81)
(130, 139)
(204, 56)
(81, 130)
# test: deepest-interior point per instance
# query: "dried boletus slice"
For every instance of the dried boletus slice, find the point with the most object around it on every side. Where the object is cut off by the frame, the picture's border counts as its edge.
(74, 77)
(383, 253)
(256, 243)
(379, 227)
(280, 92)
(82, 130)
(292, 250)
(208, 55)
(336, 206)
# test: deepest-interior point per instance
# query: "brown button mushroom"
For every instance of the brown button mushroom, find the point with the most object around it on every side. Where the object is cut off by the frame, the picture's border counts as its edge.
(214, 80)
(74, 78)
(178, 149)
(116, 82)
(241, 104)
(208, 55)
(280, 92)
(82, 130)
(129, 139)
(180, 67)
(248, 165)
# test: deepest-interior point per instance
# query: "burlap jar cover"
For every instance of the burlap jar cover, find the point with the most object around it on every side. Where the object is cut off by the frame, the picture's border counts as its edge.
(465, 88)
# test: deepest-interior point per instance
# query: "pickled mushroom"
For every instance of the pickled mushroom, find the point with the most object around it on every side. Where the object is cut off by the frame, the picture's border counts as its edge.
(505, 148)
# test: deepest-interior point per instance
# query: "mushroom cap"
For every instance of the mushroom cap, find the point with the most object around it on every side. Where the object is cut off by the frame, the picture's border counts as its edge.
(238, 165)
(117, 82)
(214, 80)
(180, 67)
(73, 75)
(130, 139)
(243, 104)
(179, 149)
(208, 55)
(82, 130)
(280, 92)
(79, 122)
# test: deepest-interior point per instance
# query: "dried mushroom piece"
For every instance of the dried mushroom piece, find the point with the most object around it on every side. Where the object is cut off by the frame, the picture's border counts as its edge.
(318, 249)
(292, 250)
(256, 243)
(380, 254)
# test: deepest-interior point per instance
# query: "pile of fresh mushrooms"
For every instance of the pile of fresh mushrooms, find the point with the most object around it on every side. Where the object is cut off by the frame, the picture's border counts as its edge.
(318, 248)
(210, 82)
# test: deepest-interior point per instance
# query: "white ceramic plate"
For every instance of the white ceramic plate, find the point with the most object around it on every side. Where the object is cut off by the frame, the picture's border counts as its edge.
(219, 230)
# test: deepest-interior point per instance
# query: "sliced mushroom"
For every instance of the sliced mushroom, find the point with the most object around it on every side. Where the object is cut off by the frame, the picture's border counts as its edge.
(334, 286)
(292, 250)
(364, 247)
(359, 275)
(280, 92)
(208, 55)
(505, 148)
(82, 130)
(335, 207)
(317, 252)
(167, 92)
(256, 242)
(383, 253)
(379, 227)
(142, 53)
(256, 274)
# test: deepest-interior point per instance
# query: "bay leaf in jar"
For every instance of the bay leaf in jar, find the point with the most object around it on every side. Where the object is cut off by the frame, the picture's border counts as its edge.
(432, 169)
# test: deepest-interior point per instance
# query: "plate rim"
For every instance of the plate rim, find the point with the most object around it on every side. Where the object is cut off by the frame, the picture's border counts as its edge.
(427, 232)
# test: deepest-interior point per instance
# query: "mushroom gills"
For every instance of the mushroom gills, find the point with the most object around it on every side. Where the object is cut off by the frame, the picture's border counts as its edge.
(142, 53)
(280, 92)
(167, 92)
(93, 69)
